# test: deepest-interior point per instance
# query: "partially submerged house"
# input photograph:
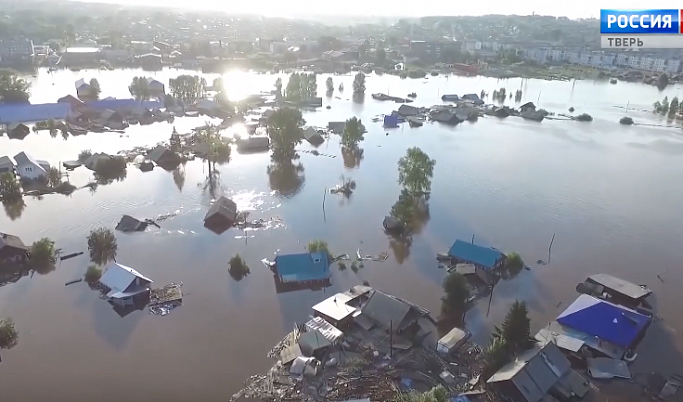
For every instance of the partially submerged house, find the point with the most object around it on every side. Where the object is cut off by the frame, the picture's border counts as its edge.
(597, 326)
(29, 168)
(303, 268)
(336, 310)
(336, 127)
(17, 131)
(124, 286)
(390, 312)
(223, 212)
(618, 290)
(85, 90)
(312, 136)
(164, 157)
(446, 117)
(253, 143)
(155, 88)
(94, 159)
(527, 107)
(472, 98)
(390, 121)
(407, 110)
(12, 249)
(25, 113)
(484, 259)
(542, 373)
(130, 224)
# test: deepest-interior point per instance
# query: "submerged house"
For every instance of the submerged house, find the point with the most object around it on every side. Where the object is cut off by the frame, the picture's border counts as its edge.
(484, 259)
(446, 117)
(29, 168)
(312, 136)
(17, 131)
(85, 90)
(598, 327)
(164, 157)
(390, 312)
(407, 110)
(125, 286)
(527, 107)
(618, 290)
(542, 373)
(155, 88)
(12, 249)
(336, 127)
(303, 268)
(223, 212)
(473, 98)
(253, 143)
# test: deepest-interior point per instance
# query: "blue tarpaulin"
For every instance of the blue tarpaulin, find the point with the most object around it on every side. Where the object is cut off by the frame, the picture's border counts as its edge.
(615, 324)
(390, 121)
(477, 255)
(25, 112)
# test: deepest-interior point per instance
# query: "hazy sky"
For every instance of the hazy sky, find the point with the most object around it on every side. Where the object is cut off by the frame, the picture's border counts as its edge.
(391, 8)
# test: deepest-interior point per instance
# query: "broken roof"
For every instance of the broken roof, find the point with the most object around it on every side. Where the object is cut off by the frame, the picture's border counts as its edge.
(118, 277)
(386, 310)
(329, 331)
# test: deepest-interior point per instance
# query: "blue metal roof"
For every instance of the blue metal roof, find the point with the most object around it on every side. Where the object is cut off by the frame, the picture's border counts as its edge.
(303, 267)
(478, 255)
(615, 324)
(118, 104)
(25, 112)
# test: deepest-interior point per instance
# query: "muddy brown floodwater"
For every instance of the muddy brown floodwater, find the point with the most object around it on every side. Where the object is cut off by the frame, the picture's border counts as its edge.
(611, 193)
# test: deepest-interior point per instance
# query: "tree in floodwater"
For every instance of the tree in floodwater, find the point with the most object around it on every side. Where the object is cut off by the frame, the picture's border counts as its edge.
(330, 85)
(188, 88)
(10, 189)
(415, 172)
(96, 90)
(284, 130)
(43, 255)
(278, 88)
(456, 292)
(359, 83)
(238, 268)
(102, 246)
(353, 133)
(8, 334)
(54, 177)
(513, 266)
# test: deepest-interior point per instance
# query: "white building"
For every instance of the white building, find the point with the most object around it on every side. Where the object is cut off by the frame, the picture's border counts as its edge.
(471, 45)
(29, 168)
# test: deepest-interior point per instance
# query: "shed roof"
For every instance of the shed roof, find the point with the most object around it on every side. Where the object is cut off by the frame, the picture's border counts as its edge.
(11, 241)
(329, 331)
(620, 286)
(479, 255)
(311, 341)
(302, 267)
(6, 160)
(224, 207)
(386, 310)
(611, 322)
(157, 153)
(119, 277)
(454, 337)
(335, 307)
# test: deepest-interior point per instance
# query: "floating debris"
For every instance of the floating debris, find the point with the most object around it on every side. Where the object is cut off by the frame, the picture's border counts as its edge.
(74, 281)
(381, 257)
(162, 301)
(72, 255)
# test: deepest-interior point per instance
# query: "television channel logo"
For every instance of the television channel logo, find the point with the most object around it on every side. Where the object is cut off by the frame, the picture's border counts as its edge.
(640, 22)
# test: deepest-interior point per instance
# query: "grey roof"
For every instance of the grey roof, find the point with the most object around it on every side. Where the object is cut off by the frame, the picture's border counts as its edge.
(224, 207)
(11, 241)
(620, 286)
(157, 153)
(6, 160)
(130, 224)
(535, 371)
(386, 310)
(311, 341)
(407, 110)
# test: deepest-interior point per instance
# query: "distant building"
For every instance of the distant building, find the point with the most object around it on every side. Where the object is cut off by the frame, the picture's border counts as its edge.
(430, 51)
(16, 51)
(12, 249)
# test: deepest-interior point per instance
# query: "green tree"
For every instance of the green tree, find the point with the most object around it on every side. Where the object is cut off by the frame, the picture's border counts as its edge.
(513, 265)
(95, 85)
(381, 55)
(8, 334)
(139, 88)
(516, 329)
(93, 274)
(495, 357)
(13, 89)
(415, 171)
(10, 189)
(238, 268)
(215, 148)
(278, 87)
(84, 155)
(436, 394)
(456, 292)
(673, 106)
(293, 89)
(102, 246)
(329, 84)
(284, 130)
(353, 133)
(662, 81)
(319, 246)
(54, 177)
(43, 254)
(188, 88)
(359, 83)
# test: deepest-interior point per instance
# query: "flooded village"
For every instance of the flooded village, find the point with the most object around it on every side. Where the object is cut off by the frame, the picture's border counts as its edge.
(357, 235)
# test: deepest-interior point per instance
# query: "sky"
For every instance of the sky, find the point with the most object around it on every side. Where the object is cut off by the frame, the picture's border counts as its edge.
(404, 8)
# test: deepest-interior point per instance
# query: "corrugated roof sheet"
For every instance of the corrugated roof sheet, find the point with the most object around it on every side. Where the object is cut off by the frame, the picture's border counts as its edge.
(329, 331)
(620, 286)
(23, 113)
(386, 310)
(479, 255)
(613, 323)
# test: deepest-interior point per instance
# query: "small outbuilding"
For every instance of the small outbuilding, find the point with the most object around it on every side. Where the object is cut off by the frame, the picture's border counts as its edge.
(17, 131)
(527, 107)
(223, 212)
(12, 249)
(164, 157)
(130, 224)
(124, 286)
(312, 136)
(452, 341)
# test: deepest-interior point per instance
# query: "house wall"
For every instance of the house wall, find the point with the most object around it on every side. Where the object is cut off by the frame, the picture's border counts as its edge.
(31, 171)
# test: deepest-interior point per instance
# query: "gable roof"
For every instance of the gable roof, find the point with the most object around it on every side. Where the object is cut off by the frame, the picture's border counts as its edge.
(620, 286)
(157, 153)
(385, 310)
(478, 255)
(610, 322)
(535, 371)
(6, 160)
(23, 158)
(223, 206)
(118, 277)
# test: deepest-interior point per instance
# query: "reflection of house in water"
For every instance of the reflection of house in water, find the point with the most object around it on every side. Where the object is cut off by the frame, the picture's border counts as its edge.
(12, 249)
(125, 286)
(592, 327)
(542, 373)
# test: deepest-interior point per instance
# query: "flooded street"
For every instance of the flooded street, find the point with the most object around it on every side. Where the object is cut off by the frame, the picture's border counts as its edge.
(610, 193)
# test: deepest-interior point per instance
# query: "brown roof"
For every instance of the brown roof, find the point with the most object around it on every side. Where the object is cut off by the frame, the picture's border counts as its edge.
(11, 241)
